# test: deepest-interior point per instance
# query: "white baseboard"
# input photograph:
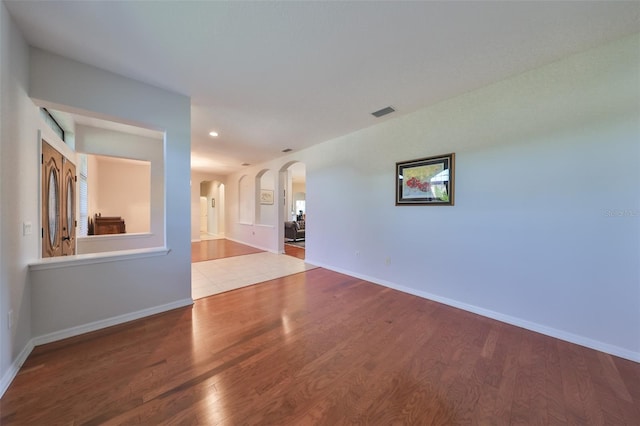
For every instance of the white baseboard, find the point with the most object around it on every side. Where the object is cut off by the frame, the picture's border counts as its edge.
(252, 245)
(97, 325)
(11, 373)
(518, 322)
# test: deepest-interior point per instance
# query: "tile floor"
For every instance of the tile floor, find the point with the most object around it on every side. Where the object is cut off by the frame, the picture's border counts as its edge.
(217, 276)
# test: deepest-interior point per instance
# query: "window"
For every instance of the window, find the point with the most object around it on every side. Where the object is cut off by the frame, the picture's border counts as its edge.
(51, 122)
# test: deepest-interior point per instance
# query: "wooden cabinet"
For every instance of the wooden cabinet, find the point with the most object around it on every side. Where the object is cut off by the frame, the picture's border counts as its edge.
(108, 225)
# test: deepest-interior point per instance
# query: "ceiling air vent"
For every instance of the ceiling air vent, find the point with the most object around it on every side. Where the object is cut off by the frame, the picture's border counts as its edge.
(383, 111)
(245, 164)
(287, 150)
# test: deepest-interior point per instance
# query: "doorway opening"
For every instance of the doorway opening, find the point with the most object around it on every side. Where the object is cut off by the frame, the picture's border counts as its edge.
(212, 220)
(293, 212)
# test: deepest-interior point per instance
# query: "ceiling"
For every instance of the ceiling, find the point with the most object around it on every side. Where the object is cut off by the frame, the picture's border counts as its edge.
(273, 75)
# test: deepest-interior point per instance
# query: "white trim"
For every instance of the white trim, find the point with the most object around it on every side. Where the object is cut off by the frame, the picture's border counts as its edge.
(97, 325)
(91, 258)
(518, 322)
(109, 237)
(14, 368)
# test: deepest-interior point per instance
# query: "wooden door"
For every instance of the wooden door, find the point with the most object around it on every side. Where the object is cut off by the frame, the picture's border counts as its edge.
(58, 203)
(68, 218)
(51, 201)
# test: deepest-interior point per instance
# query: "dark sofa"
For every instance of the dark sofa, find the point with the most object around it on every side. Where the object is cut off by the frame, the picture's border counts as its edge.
(293, 231)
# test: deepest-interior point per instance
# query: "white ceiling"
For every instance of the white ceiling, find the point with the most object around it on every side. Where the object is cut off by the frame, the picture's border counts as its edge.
(272, 75)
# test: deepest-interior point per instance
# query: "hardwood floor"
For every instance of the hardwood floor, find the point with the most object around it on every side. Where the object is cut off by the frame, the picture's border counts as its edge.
(218, 249)
(320, 348)
(294, 251)
(222, 248)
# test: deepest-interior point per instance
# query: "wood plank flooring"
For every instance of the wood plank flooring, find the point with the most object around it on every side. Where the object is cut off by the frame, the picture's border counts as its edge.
(294, 251)
(320, 348)
(222, 248)
(218, 249)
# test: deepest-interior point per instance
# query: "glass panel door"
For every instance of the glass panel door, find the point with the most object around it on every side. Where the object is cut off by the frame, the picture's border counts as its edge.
(53, 206)
(51, 201)
(69, 208)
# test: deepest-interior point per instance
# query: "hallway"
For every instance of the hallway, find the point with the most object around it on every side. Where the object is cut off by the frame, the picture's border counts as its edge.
(221, 265)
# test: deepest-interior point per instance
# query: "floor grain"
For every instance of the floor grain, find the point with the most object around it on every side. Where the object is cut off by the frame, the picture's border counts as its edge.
(320, 348)
(218, 249)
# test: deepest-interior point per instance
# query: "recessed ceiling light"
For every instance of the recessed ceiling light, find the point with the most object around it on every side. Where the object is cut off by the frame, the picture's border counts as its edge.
(213, 134)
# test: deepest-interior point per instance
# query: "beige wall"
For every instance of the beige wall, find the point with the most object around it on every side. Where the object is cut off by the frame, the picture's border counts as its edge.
(298, 187)
(123, 188)
(92, 184)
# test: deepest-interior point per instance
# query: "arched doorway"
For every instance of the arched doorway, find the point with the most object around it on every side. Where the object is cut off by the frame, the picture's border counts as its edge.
(292, 212)
(212, 202)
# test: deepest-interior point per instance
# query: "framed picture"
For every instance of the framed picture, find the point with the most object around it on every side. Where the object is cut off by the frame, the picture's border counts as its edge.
(266, 196)
(426, 181)
(213, 202)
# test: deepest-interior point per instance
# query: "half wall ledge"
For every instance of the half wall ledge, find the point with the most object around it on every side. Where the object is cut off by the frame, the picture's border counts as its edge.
(92, 258)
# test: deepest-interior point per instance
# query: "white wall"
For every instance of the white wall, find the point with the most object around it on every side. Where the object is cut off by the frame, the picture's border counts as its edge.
(6, 356)
(545, 232)
(208, 212)
(247, 200)
(18, 147)
(266, 213)
(212, 212)
(67, 299)
(241, 214)
(215, 213)
(196, 179)
(21, 128)
(92, 185)
(220, 210)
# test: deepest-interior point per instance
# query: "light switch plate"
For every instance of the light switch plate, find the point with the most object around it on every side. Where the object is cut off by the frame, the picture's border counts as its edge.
(26, 228)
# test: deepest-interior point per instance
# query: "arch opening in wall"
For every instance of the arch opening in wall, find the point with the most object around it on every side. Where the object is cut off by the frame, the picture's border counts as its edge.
(292, 205)
(212, 204)
(266, 208)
